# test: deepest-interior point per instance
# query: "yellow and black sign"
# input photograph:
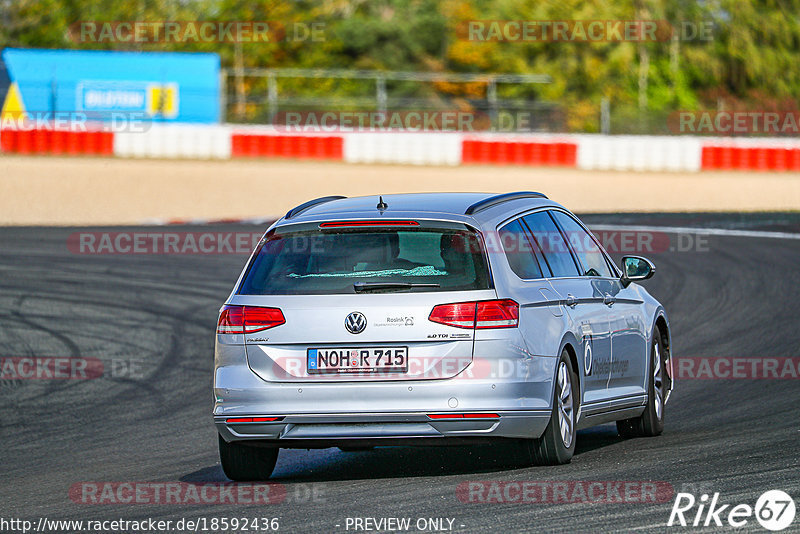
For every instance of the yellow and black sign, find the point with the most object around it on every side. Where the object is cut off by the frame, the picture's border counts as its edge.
(13, 108)
(162, 100)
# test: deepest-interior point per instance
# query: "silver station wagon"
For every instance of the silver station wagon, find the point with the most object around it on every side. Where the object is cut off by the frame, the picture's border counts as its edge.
(435, 319)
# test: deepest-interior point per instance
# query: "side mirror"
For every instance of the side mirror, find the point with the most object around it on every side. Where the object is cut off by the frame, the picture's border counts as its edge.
(636, 269)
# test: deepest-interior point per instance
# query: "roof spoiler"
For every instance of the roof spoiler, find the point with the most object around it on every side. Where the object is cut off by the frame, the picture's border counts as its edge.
(489, 202)
(310, 204)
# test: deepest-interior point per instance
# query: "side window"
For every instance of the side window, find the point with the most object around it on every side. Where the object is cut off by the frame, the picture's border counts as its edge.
(551, 243)
(519, 252)
(591, 257)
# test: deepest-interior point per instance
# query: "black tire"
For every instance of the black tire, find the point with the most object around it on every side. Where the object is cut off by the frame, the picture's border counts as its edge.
(551, 449)
(651, 422)
(244, 464)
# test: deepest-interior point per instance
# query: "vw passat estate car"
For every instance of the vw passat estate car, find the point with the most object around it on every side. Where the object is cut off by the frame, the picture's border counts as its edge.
(434, 319)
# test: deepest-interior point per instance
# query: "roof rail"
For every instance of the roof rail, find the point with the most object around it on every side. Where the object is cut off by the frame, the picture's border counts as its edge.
(310, 204)
(487, 203)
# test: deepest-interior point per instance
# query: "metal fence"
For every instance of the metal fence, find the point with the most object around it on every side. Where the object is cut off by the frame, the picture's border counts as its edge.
(498, 102)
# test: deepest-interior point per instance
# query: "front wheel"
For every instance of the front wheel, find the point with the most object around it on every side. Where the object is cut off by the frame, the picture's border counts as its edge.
(244, 464)
(557, 444)
(651, 422)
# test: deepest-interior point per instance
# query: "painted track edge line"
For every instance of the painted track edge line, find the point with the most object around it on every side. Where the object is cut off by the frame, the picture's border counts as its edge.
(697, 231)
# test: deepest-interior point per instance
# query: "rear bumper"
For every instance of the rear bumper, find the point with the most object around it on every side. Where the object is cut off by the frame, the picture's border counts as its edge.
(374, 429)
(511, 383)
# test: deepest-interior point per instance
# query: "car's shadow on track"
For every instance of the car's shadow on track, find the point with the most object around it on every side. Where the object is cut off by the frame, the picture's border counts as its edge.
(402, 462)
(597, 438)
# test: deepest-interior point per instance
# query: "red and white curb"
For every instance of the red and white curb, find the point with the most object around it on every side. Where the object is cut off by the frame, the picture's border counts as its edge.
(583, 151)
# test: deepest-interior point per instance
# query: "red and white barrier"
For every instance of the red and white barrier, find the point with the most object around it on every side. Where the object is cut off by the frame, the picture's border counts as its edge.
(175, 141)
(57, 142)
(519, 150)
(751, 154)
(264, 142)
(638, 153)
(423, 148)
(589, 152)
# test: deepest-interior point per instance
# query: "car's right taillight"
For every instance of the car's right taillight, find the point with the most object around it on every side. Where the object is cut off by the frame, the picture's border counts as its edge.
(497, 314)
(248, 319)
(479, 315)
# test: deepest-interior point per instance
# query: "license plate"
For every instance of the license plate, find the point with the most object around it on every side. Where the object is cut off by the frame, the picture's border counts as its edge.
(360, 360)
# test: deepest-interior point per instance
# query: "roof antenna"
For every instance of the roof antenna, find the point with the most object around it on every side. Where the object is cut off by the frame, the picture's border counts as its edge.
(382, 205)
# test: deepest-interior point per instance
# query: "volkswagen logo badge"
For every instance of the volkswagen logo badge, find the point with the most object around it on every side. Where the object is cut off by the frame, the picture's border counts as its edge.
(355, 322)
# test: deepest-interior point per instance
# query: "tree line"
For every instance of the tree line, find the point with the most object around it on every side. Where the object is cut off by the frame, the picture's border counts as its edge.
(692, 55)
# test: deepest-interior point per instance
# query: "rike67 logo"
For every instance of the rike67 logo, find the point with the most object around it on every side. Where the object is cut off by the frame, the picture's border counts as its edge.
(774, 510)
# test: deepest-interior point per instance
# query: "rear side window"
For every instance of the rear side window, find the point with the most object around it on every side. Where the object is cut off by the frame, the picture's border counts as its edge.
(519, 251)
(552, 244)
(332, 261)
(591, 257)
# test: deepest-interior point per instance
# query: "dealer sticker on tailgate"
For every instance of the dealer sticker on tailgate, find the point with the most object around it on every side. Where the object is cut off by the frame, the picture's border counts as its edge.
(360, 360)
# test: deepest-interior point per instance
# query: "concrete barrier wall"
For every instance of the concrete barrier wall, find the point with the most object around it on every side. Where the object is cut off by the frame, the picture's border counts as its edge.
(590, 152)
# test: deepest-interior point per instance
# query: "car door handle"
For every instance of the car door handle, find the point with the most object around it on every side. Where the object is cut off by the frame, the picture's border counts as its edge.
(608, 300)
(571, 300)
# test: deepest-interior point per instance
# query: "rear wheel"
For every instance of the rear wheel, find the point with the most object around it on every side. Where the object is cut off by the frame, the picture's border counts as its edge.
(243, 463)
(557, 444)
(651, 422)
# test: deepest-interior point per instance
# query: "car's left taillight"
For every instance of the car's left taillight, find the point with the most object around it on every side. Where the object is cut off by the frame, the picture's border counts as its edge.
(248, 319)
(480, 315)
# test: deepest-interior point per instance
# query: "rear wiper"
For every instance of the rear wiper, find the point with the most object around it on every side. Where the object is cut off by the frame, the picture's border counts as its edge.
(361, 287)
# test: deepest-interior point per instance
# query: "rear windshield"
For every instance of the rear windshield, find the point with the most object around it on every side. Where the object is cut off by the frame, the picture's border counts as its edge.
(337, 261)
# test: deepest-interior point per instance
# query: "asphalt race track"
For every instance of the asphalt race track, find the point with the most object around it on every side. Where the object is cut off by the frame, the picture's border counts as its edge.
(150, 320)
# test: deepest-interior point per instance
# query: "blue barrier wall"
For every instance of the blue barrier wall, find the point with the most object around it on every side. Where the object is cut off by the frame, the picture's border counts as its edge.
(174, 87)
